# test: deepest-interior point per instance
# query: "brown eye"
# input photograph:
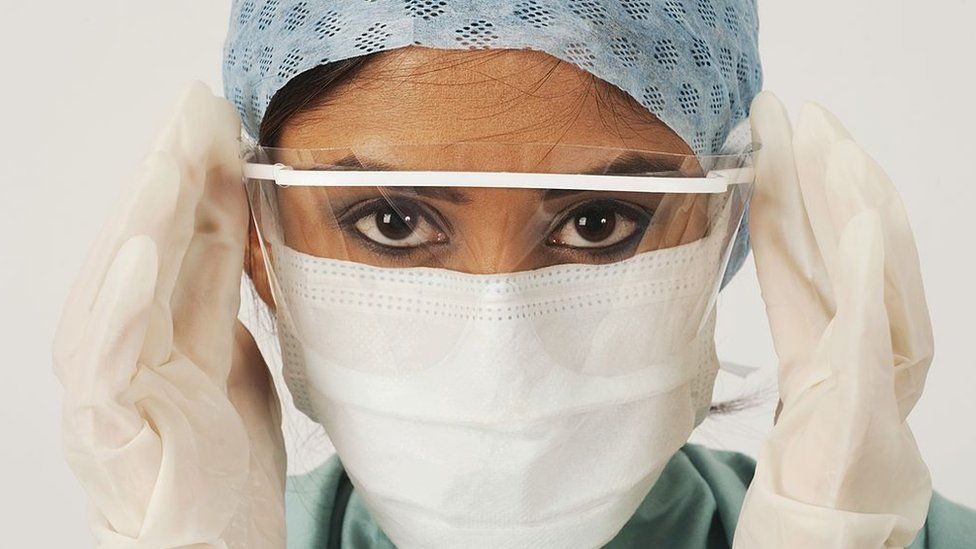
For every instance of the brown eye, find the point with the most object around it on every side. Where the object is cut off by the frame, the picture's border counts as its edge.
(395, 225)
(595, 224)
(403, 225)
(598, 224)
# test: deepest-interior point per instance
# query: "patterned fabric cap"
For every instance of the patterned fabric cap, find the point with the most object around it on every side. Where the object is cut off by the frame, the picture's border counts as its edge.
(692, 63)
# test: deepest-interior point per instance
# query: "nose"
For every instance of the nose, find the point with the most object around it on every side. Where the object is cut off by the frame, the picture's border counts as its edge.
(505, 243)
(500, 233)
(494, 254)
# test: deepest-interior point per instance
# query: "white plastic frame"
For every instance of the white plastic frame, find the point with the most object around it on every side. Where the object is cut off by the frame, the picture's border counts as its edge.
(716, 181)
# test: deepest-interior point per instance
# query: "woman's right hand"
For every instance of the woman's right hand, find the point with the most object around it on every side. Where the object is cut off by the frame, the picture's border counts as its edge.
(171, 422)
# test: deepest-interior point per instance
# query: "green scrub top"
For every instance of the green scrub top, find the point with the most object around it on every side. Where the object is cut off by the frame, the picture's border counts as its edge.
(694, 505)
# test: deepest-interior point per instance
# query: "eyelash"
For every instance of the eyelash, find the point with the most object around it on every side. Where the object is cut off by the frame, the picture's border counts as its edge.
(347, 222)
(640, 216)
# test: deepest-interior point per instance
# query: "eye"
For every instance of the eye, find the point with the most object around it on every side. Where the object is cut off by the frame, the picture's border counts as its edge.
(599, 224)
(401, 225)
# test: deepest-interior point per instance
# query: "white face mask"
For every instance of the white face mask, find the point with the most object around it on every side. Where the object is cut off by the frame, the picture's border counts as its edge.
(532, 409)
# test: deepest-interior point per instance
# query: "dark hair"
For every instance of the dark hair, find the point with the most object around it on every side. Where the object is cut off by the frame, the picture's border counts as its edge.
(305, 92)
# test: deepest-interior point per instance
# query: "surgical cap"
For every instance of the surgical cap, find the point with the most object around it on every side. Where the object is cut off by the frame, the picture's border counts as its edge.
(692, 63)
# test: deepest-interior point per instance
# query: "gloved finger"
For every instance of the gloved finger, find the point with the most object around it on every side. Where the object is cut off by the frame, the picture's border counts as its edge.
(791, 274)
(817, 132)
(182, 137)
(190, 139)
(207, 294)
(859, 340)
(100, 372)
(252, 392)
(145, 208)
(856, 183)
(203, 466)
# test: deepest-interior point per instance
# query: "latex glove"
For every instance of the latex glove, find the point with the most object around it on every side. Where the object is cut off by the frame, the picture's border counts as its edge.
(170, 420)
(840, 278)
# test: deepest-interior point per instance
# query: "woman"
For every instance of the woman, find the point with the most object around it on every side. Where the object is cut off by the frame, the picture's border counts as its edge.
(492, 273)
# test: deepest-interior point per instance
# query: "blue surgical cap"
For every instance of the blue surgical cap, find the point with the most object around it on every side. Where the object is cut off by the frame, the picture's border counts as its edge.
(692, 63)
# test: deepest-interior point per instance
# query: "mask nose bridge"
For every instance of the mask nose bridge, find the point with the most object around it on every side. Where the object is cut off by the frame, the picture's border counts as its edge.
(500, 291)
(499, 328)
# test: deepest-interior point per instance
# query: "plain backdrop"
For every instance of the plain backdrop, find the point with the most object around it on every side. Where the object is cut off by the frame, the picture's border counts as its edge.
(86, 84)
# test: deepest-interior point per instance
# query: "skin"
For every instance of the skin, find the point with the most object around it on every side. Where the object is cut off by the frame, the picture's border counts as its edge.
(502, 110)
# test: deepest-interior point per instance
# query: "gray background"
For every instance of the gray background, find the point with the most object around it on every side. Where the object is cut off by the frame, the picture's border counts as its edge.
(86, 85)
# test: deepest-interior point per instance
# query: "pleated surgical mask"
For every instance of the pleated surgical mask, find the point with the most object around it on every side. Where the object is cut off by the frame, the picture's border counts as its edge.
(499, 366)
(501, 410)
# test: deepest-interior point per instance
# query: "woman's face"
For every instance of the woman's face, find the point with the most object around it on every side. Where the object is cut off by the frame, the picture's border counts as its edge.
(493, 99)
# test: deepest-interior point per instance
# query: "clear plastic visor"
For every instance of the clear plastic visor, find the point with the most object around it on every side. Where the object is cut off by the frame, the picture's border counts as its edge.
(493, 208)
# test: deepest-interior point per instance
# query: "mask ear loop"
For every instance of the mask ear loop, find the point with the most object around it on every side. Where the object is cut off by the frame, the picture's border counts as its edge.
(281, 312)
(265, 256)
(249, 146)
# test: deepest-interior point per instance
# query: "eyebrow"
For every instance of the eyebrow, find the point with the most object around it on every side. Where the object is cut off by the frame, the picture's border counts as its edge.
(629, 163)
(437, 193)
(634, 163)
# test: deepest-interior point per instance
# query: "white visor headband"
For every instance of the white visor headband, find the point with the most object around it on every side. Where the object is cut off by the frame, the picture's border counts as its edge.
(715, 181)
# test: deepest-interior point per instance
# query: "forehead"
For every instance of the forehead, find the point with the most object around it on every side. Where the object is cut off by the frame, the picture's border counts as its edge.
(423, 95)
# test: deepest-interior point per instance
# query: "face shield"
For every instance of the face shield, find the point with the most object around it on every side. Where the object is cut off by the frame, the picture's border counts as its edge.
(440, 206)
(503, 319)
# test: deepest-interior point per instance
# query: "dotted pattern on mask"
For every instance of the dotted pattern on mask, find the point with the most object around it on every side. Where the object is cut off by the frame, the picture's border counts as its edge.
(293, 361)
(649, 292)
(332, 285)
(646, 278)
(637, 270)
(703, 383)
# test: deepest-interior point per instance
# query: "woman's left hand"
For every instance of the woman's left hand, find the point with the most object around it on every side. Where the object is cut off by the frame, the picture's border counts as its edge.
(840, 278)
